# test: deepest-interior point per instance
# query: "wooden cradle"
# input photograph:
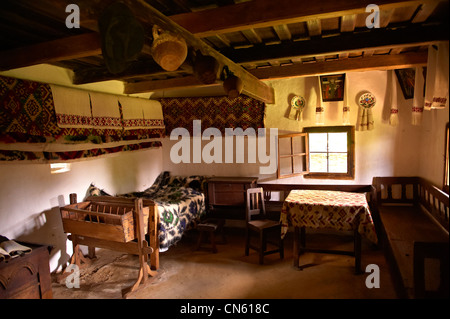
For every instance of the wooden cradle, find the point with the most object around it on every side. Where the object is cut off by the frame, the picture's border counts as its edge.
(115, 223)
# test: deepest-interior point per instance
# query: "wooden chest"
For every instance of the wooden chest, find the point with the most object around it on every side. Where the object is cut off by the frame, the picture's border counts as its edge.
(227, 196)
(28, 276)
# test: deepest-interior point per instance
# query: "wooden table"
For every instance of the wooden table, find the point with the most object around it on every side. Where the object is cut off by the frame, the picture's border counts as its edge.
(343, 211)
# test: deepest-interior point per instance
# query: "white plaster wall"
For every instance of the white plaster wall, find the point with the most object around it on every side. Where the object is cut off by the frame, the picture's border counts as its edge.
(47, 73)
(383, 151)
(30, 196)
(432, 146)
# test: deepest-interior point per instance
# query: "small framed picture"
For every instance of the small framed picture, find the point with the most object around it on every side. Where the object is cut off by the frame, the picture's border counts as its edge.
(332, 87)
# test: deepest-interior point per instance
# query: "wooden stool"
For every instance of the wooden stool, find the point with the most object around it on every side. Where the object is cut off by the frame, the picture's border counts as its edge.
(210, 226)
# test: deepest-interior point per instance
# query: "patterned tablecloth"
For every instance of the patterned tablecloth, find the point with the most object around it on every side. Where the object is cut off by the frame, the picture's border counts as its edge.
(328, 209)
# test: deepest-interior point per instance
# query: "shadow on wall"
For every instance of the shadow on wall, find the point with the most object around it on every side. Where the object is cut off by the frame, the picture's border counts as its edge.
(123, 177)
(46, 228)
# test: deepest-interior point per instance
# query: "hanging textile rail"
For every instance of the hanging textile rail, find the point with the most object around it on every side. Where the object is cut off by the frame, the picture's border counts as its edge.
(29, 129)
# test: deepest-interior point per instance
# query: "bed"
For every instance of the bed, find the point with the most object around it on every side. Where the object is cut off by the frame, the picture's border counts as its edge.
(180, 202)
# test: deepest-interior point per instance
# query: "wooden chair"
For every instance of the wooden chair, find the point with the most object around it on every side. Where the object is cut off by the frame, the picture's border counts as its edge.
(210, 226)
(259, 224)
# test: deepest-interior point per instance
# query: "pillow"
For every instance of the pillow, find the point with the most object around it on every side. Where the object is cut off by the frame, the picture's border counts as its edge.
(196, 182)
(196, 185)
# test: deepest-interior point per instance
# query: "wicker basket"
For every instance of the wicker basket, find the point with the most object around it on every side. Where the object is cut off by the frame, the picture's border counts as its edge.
(102, 220)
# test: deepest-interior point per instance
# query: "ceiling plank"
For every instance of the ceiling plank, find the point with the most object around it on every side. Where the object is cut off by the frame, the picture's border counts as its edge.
(424, 12)
(282, 32)
(348, 23)
(265, 13)
(384, 62)
(314, 27)
(252, 36)
(385, 17)
(56, 9)
(73, 47)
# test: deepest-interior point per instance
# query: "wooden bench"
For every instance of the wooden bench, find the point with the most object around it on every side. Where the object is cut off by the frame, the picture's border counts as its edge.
(414, 219)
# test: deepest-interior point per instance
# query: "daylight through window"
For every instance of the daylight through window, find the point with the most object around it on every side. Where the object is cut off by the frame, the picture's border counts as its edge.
(331, 152)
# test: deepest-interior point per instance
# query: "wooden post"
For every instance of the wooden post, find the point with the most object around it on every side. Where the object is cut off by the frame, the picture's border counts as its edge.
(296, 246)
(91, 250)
(357, 247)
(153, 221)
(144, 269)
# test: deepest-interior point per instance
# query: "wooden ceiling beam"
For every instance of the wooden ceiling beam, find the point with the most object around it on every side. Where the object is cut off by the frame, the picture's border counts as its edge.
(344, 45)
(252, 86)
(137, 69)
(266, 13)
(347, 42)
(370, 63)
(150, 16)
(381, 62)
(73, 47)
(189, 81)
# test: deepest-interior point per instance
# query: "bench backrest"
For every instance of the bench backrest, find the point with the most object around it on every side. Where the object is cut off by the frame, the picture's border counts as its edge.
(413, 191)
(396, 190)
(435, 201)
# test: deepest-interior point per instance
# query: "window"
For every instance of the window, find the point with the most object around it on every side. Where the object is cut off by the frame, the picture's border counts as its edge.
(292, 155)
(446, 168)
(331, 152)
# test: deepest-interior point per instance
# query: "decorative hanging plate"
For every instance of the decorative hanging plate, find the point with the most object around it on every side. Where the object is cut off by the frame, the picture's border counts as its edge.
(298, 102)
(367, 100)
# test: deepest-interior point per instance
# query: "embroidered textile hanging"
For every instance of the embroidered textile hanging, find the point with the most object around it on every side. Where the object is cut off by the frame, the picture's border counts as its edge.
(437, 80)
(218, 112)
(29, 128)
(82, 109)
(418, 101)
(319, 108)
(366, 103)
(393, 118)
(297, 106)
(346, 107)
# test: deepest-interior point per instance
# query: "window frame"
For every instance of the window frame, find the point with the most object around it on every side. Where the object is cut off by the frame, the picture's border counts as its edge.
(350, 130)
(292, 155)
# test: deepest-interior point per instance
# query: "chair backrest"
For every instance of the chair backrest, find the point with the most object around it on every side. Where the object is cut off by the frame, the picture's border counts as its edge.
(255, 202)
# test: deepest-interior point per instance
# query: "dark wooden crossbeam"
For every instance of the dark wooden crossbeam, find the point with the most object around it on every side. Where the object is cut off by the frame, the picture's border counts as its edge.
(73, 47)
(368, 39)
(252, 86)
(267, 13)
